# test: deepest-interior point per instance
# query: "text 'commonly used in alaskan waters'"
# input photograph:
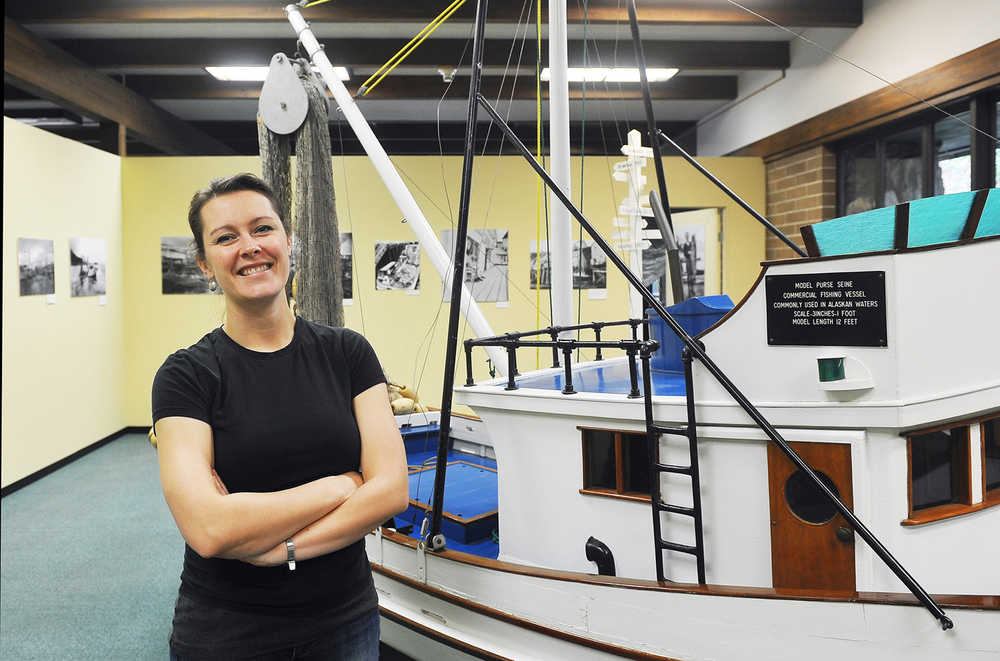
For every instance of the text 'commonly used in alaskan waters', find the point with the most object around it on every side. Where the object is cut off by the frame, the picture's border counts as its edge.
(827, 309)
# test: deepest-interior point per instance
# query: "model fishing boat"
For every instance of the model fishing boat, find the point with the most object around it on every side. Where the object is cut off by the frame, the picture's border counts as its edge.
(808, 472)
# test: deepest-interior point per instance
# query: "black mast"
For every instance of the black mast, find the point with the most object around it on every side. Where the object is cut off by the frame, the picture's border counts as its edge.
(673, 260)
(435, 539)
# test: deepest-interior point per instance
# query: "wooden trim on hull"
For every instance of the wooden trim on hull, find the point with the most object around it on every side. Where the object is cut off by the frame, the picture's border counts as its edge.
(973, 601)
(427, 632)
(621, 652)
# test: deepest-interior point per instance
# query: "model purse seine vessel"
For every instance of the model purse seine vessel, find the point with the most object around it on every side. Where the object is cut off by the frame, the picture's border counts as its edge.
(808, 473)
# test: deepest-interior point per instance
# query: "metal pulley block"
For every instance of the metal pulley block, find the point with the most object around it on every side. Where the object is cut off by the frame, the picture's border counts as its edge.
(283, 101)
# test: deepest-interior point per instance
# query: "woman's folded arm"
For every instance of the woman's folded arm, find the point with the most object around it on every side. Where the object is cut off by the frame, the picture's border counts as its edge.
(384, 492)
(218, 524)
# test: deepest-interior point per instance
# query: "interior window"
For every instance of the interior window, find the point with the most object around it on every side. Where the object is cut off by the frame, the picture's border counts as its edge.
(991, 454)
(903, 166)
(615, 462)
(599, 450)
(952, 158)
(939, 468)
(858, 165)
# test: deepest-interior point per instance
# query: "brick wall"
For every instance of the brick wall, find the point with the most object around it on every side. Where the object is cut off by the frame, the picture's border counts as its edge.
(801, 190)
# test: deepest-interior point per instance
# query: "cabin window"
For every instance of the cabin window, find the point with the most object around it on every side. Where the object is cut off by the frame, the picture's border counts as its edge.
(989, 432)
(615, 464)
(939, 468)
(922, 155)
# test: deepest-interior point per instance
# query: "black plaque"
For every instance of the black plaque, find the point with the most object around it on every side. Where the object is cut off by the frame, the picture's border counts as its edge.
(827, 309)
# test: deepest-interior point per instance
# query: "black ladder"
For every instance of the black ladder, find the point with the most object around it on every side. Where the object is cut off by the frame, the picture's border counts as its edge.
(656, 468)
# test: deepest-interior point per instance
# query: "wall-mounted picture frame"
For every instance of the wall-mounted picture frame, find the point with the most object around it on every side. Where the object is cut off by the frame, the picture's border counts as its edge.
(700, 251)
(397, 265)
(36, 266)
(486, 264)
(347, 264)
(179, 272)
(88, 259)
(589, 264)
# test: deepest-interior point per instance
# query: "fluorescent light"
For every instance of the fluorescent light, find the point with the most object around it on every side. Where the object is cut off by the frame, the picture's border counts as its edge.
(257, 74)
(614, 75)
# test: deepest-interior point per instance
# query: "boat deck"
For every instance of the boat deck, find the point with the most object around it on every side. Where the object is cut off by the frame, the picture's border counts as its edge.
(612, 378)
(470, 502)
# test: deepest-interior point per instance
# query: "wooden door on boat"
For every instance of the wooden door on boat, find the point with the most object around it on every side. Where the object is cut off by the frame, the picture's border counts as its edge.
(812, 546)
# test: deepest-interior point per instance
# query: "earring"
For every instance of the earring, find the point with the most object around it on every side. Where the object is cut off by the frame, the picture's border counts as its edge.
(213, 285)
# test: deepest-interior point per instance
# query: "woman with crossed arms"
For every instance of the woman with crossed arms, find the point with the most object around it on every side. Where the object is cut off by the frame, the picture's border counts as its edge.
(278, 453)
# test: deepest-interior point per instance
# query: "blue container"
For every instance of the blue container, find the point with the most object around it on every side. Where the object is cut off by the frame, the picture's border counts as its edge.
(694, 315)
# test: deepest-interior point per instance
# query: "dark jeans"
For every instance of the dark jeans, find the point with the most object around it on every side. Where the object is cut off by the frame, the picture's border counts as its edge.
(355, 641)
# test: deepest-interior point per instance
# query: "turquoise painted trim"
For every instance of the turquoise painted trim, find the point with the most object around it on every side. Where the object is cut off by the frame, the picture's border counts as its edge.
(989, 222)
(938, 219)
(867, 231)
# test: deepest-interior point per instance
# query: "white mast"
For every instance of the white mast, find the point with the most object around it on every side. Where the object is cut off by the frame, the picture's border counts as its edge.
(560, 236)
(629, 238)
(400, 193)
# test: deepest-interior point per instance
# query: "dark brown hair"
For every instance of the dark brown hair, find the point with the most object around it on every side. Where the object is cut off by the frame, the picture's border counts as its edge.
(232, 184)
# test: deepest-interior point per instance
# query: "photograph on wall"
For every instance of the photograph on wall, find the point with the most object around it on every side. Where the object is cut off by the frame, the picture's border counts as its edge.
(180, 272)
(698, 250)
(88, 259)
(691, 251)
(589, 263)
(347, 263)
(485, 264)
(36, 266)
(397, 265)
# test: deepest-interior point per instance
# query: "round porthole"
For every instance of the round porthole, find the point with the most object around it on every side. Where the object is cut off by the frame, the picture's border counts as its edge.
(806, 500)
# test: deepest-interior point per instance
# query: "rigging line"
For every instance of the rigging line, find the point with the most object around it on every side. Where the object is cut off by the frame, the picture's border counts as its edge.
(896, 87)
(525, 8)
(418, 380)
(350, 223)
(405, 51)
(538, 181)
(583, 152)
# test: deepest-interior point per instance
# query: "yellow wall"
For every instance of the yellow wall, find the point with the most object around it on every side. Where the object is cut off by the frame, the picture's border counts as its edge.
(62, 363)
(77, 371)
(402, 326)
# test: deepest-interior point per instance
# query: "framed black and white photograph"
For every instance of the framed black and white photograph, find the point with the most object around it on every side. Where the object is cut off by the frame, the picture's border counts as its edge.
(36, 266)
(88, 259)
(485, 264)
(588, 261)
(347, 264)
(180, 272)
(698, 249)
(397, 265)
(691, 251)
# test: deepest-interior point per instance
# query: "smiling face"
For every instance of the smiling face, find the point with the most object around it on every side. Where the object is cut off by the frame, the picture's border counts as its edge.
(246, 248)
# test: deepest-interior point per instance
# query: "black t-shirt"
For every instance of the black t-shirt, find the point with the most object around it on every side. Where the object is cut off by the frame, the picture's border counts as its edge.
(278, 419)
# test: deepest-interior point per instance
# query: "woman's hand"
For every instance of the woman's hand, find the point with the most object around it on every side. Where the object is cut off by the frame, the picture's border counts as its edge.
(270, 558)
(343, 487)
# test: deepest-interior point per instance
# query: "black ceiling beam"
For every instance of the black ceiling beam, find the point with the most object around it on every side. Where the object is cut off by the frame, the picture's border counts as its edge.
(112, 53)
(804, 13)
(39, 68)
(415, 138)
(432, 87)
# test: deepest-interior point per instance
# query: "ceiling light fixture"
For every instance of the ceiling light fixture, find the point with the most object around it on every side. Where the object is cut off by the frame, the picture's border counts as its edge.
(612, 75)
(257, 74)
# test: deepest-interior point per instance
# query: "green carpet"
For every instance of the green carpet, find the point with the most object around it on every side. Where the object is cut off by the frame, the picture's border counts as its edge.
(91, 560)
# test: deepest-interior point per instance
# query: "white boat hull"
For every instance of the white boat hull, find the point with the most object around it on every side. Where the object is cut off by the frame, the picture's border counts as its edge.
(489, 612)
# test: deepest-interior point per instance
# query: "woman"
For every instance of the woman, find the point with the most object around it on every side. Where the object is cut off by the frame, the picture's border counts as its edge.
(294, 418)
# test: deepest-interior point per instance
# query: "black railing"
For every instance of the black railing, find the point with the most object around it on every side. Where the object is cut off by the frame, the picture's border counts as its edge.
(511, 342)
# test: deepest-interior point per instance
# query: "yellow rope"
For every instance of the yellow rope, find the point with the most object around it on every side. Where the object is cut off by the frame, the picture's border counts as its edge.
(315, 2)
(405, 51)
(538, 183)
